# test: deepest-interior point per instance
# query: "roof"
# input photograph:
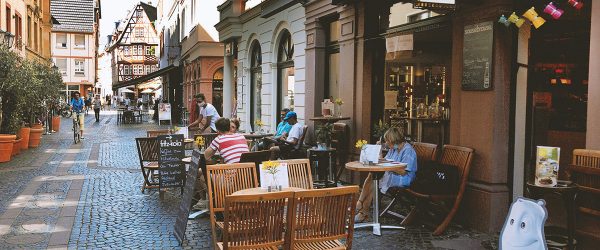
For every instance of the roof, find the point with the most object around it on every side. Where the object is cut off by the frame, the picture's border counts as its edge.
(203, 36)
(150, 11)
(73, 15)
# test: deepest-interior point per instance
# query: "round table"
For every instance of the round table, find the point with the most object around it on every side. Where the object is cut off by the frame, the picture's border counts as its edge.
(329, 119)
(260, 190)
(376, 171)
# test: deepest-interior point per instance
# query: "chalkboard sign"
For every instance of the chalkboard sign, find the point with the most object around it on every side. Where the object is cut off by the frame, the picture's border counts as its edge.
(188, 193)
(478, 46)
(170, 167)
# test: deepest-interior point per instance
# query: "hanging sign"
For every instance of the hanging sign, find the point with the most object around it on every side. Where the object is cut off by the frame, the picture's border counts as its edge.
(478, 43)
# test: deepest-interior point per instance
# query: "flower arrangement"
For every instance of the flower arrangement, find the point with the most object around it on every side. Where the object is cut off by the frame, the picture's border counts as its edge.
(174, 130)
(361, 144)
(200, 141)
(338, 110)
(259, 124)
(271, 167)
(339, 101)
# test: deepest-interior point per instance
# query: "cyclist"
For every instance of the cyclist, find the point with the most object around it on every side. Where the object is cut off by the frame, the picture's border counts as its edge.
(77, 105)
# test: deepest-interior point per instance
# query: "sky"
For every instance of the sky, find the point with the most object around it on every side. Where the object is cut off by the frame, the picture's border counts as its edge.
(115, 10)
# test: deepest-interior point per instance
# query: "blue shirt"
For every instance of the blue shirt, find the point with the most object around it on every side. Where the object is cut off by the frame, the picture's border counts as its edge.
(77, 104)
(406, 155)
(283, 127)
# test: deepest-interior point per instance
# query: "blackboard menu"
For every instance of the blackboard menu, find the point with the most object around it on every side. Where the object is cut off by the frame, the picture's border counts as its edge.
(477, 56)
(170, 167)
(188, 193)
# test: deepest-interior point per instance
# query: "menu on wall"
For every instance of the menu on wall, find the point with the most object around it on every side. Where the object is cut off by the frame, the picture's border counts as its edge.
(170, 167)
(188, 193)
(477, 56)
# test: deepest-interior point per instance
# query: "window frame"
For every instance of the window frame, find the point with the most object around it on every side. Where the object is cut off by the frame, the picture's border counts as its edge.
(78, 46)
(285, 60)
(255, 83)
(79, 67)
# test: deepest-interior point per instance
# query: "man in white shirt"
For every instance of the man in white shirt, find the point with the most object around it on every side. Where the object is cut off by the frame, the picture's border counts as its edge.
(291, 141)
(205, 110)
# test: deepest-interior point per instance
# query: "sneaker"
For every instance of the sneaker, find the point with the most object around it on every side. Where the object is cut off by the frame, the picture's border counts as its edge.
(201, 205)
(83, 138)
(360, 217)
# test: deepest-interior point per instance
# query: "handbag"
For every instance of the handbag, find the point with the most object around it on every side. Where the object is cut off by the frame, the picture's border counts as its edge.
(436, 178)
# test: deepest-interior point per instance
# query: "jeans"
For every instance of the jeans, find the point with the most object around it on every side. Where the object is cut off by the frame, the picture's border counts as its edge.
(97, 114)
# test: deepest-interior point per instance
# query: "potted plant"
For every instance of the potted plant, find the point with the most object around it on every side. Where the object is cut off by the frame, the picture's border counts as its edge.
(10, 111)
(323, 134)
(379, 130)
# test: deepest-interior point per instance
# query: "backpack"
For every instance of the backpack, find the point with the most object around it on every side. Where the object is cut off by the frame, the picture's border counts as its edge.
(436, 178)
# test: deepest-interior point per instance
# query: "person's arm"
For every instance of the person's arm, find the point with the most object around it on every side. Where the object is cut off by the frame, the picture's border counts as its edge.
(208, 153)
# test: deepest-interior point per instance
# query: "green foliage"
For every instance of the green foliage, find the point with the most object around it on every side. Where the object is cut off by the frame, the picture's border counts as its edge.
(379, 129)
(324, 132)
(25, 85)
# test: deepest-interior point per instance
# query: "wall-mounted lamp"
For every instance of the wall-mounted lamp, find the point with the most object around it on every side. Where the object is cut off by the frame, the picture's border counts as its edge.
(576, 4)
(513, 18)
(533, 16)
(553, 11)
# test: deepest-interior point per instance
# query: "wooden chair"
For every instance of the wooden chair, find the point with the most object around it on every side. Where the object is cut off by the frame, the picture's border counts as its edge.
(256, 157)
(155, 133)
(224, 180)
(299, 173)
(334, 209)
(585, 173)
(256, 221)
(208, 138)
(340, 141)
(426, 152)
(148, 153)
(461, 157)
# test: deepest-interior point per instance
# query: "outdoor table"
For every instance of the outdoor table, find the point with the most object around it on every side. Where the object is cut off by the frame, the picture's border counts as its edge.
(376, 171)
(260, 190)
(329, 119)
(255, 139)
(317, 155)
(568, 192)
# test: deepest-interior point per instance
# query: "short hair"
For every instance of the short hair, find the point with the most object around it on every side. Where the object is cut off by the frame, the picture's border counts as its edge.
(236, 122)
(286, 110)
(222, 125)
(394, 135)
(201, 96)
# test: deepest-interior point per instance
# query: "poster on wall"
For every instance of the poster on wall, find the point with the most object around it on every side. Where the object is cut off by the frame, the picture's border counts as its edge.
(546, 167)
(478, 43)
(164, 112)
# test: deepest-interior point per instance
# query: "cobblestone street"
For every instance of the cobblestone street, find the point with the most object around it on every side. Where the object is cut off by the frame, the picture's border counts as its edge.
(87, 195)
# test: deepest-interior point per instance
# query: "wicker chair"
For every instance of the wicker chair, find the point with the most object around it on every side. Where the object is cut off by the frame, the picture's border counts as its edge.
(426, 152)
(334, 209)
(223, 180)
(148, 153)
(299, 173)
(155, 133)
(460, 157)
(585, 173)
(255, 221)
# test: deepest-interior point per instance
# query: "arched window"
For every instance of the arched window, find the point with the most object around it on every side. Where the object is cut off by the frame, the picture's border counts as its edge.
(285, 72)
(217, 90)
(255, 83)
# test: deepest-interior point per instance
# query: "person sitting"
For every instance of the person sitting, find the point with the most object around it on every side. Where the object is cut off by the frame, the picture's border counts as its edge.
(230, 145)
(291, 141)
(235, 125)
(400, 151)
(283, 129)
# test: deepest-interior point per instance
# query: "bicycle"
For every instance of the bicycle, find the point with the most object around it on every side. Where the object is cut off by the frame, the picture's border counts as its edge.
(76, 130)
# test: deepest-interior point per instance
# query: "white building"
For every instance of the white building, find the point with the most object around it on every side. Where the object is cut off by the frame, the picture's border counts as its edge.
(73, 43)
(270, 41)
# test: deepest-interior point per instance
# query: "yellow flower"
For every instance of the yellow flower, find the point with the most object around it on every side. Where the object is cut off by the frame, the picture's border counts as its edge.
(200, 141)
(270, 167)
(361, 143)
(175, 129)
(339, 101)
(259, 123)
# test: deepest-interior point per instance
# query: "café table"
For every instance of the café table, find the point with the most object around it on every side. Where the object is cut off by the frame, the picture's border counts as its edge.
(261, 190)
(329, 119)
(255, 138)
(376, 171)
(316, 155)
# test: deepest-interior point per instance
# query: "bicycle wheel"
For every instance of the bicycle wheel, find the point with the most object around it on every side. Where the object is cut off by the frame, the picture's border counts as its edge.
(76, 135)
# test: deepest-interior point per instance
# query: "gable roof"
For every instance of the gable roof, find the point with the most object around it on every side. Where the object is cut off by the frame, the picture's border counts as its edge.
(150, 11)
(73, 15)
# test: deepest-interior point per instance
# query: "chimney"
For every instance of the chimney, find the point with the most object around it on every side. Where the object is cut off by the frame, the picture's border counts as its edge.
(117, 24)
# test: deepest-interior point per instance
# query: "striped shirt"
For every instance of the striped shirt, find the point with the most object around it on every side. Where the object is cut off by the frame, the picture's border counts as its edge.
(230, 147)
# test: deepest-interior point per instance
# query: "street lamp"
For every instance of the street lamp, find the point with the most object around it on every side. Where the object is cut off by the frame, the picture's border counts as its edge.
(6, 38)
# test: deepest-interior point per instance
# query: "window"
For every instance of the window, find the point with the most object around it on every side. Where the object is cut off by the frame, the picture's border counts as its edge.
(8, 19)
(126, 50)
(136, 69)
(138, 13)
(183, 24)
(140, 50)
(61, 40)
(18, 30)
(79, 67)
(149, 50)
(332, 56)
(139, 31)
(419, 16)
(36, 42)
(80, 41)
(61, 63)
(28, 30)
(126, 70)
(285, 69)
(256, 83)
(148, 69)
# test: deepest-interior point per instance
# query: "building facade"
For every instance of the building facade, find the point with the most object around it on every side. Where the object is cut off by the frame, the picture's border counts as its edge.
(38, 23)
(267, 42)
(134, 46)
(12, 20)
(74, 44)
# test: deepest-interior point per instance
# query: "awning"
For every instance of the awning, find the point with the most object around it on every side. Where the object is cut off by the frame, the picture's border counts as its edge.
(149, 85)
(145, 78)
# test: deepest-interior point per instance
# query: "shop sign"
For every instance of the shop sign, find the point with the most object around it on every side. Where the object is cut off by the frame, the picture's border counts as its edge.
(399, 43)
(478, 43)
(435, 4)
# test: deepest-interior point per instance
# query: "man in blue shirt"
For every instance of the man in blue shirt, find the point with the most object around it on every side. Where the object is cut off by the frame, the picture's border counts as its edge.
(77, 105)
(283, 126)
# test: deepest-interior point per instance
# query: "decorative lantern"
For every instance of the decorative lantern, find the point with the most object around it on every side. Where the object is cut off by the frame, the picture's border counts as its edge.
(576, 4)
(513, 18)
(504, 20)
(553, 11)
(534, 17)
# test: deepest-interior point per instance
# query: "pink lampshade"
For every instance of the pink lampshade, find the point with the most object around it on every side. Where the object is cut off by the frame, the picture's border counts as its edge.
(553, 11)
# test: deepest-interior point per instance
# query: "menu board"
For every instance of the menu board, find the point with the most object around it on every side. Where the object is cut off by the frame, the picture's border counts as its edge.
(188, 193)
(170, 167)
(478, 46)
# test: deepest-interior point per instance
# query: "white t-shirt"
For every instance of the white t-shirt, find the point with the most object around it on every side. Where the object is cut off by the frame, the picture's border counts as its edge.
(295, 132)
(210, 110)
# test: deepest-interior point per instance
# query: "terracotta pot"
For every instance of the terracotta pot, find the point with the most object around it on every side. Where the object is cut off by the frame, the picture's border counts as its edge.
(56, 123)
(24, 134)
(37, 125)
(35, 136)
(16, 147)
(6, 146)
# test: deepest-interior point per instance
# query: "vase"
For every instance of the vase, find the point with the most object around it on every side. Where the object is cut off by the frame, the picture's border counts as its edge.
(274, 187)
(363, 156)
(338, 110)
